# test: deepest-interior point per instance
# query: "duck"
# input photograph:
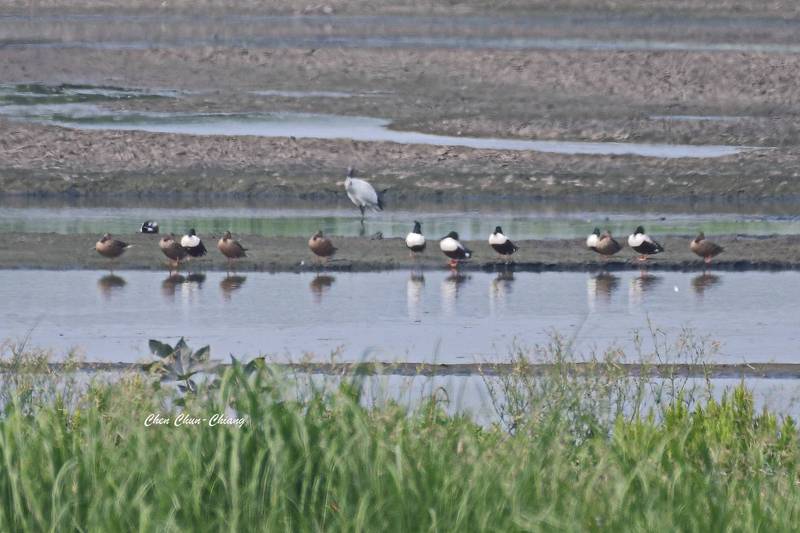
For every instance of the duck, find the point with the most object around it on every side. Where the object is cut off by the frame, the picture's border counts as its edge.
(111, 248)
(591, 240)
(415, 241)
(643, 244)
(606, 245)
(452, 248)
(321, 246)
(362, 194)
(231, 248)
(705, 248)
(502, 244)
(173, 250)
(149, 226)
(194, 246)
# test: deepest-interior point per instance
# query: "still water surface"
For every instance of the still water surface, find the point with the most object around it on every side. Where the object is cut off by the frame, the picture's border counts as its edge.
(470, 221)
(398, 315)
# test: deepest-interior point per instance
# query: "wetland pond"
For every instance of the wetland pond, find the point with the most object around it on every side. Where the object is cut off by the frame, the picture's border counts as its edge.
(79, 107)
(433, 316)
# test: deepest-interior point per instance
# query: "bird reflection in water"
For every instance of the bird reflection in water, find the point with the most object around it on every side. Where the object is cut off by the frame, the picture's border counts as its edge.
(319, 285)
(500, 288)
(641, 284)
(109, 284)
(190, 284)
(703, 282)
(170, 285)
(414, 288)
(449, 290)
(230, 284)
(600, 288)
(196, 280)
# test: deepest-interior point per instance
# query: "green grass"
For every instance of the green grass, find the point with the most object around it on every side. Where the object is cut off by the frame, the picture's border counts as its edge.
(568, 455)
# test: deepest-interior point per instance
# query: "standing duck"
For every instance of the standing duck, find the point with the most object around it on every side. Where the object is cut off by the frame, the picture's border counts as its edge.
(231, 248)
(502, 244)
(705, 248)
(591, 240)
(321, 246)
(362, 194)
(173, 250)
(110, 247)
(643, 244)
(415, 241)
(452, 248)
(194, 246)
(606, 245)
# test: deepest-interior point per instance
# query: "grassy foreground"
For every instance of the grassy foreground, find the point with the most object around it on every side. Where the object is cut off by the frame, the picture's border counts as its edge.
(565, 455)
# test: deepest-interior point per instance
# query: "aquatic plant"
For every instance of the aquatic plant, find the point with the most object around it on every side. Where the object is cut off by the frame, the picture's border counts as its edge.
(118, 459)
(178, 363)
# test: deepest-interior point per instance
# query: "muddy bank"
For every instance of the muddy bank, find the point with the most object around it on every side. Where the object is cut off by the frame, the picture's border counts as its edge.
(704, 370)
(532, 94)
(590, 95)
(782, 8)
(270, 254)
(49, 160)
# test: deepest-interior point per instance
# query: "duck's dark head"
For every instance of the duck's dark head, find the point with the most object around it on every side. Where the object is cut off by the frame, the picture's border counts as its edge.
(452, 235)
(639, 230)
(106, 237)
(596, 232)
(192, 232)
(318, 234)
(226, 235)
(700, 236)
(351, 172)
(417, 227)
(497, 230)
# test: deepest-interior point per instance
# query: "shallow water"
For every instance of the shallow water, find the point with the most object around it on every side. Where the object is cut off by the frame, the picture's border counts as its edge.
(474, 222)
(399, 315)
(319, 126)
(470, 394)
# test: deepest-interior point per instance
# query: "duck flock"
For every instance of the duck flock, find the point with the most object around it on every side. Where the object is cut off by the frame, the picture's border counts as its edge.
(364, 196)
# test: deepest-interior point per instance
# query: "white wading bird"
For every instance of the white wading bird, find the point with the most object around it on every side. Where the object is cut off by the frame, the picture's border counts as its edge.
(362, 194)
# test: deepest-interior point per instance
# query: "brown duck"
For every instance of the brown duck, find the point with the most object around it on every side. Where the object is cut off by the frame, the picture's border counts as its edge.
(705, 248)
(110, 247)
(607, 245)
(231, 248)
(321, 246)
(172, 249)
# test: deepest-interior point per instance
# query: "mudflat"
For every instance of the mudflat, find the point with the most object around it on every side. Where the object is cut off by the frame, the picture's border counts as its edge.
(283, 254)
(474, 84)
